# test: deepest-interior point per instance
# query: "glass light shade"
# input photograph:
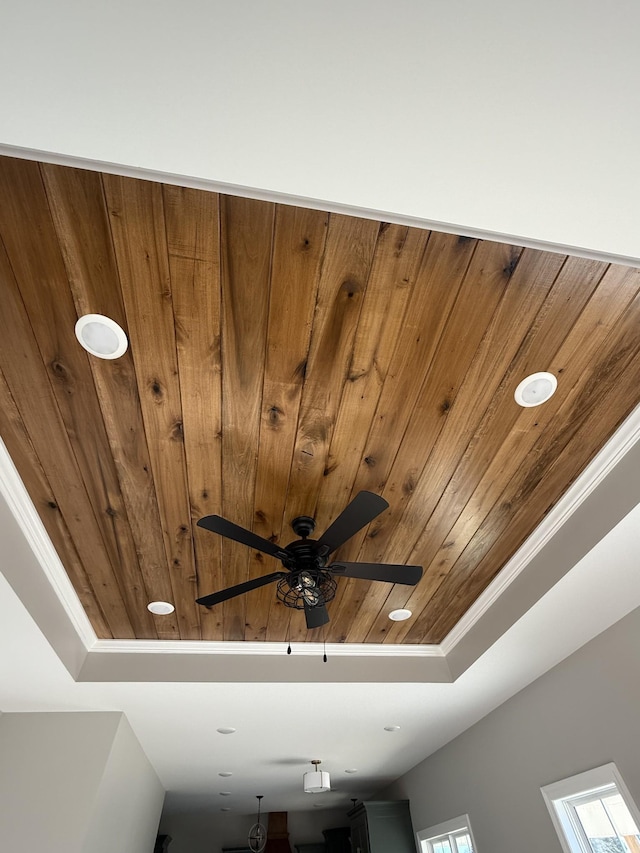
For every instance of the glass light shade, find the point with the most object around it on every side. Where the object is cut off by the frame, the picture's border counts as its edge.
(316, 782)
(101, 336)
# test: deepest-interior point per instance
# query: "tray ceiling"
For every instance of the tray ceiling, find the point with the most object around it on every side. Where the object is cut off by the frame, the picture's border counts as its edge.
(282, 359)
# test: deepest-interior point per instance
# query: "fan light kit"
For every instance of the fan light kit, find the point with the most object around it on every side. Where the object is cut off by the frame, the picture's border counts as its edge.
(101, 336)
(536, 389)
(160, 608)
(400, 615)
(316, 781)
(307, 582)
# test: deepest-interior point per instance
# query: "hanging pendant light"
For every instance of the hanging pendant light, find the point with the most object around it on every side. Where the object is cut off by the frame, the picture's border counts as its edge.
(257, 834)
(316, 781)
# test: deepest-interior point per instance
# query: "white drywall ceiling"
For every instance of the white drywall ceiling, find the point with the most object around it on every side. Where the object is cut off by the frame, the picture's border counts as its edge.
(515, 118)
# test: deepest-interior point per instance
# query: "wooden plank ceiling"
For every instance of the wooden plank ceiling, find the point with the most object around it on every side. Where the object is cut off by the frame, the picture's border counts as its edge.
(280, 361)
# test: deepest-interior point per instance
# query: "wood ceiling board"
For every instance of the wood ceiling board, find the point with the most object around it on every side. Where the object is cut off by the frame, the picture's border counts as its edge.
(282, 360)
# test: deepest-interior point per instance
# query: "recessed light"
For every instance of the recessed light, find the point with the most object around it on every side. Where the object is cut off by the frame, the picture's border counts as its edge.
(225, 773)
(160, 608)
(225, 730)
(101, 336)
(400, 615)
(351, 770)
(392, 728)
(225, 793)
(535, 389)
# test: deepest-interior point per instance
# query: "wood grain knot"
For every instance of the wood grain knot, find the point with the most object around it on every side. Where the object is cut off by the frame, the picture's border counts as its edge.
(409, 485)
(177, 431)
(111, 512)
(52, 505)
(156, 389)
(511, 266)
(445, 406)
(370, 461)
(275, 416)
(350, 287)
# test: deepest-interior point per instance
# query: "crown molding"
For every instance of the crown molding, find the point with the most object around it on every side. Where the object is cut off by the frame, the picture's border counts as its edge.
(262, 194)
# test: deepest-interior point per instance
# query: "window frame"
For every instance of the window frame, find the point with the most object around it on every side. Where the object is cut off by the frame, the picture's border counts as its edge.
(449, 829)
(560, 798)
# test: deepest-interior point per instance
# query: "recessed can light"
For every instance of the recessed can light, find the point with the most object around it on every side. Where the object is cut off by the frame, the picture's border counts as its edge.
(226, 730)
(392, 728)
(351, 770)
(400, 615)
(101, 336)
(225, 773)
(535, 389)
(160, 608)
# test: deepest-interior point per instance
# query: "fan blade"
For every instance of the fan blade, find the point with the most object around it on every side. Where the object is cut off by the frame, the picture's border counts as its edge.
(387, 572)
(356, 515)
(239, 589)
(220, 525)
(316, 616)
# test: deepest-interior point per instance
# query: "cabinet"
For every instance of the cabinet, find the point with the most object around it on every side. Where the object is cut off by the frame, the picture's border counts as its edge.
(337, 840)
(382, 827)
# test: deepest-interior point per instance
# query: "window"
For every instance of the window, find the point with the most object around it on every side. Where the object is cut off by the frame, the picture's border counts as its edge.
(454, 836)
(594, 813)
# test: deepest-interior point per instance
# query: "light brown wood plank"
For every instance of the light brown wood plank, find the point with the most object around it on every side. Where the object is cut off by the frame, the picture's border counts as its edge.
(343, 281)
(247, 234)
(29, 385)
(24, 457)
(193, 237)
(444, 264)
(34, 253)
(396, 264)
(82, 226)
(298, 247)
(497, 436)
(137, 222)
(483, 384)
(598, 366)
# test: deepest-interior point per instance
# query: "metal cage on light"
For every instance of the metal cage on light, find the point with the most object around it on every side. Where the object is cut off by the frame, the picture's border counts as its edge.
(312, 587)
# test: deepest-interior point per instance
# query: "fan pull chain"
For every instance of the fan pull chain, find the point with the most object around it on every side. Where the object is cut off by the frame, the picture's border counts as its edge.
(288, 640)
(324, 644)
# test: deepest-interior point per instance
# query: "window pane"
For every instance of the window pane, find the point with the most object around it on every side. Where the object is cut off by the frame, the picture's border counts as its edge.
(463, 842)
(594, 819)
(442, 846)
(620, 815)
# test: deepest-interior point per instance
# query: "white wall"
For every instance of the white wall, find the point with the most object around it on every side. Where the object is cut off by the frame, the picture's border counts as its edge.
(58, 778)
(581, 714)
(128, 802)
(517, 118)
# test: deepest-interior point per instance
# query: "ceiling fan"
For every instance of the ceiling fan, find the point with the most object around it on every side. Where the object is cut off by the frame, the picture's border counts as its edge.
(307, 582)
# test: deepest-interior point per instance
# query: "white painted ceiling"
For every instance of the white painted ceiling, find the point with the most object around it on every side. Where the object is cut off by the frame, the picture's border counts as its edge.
(519, 119)
(515, 118)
